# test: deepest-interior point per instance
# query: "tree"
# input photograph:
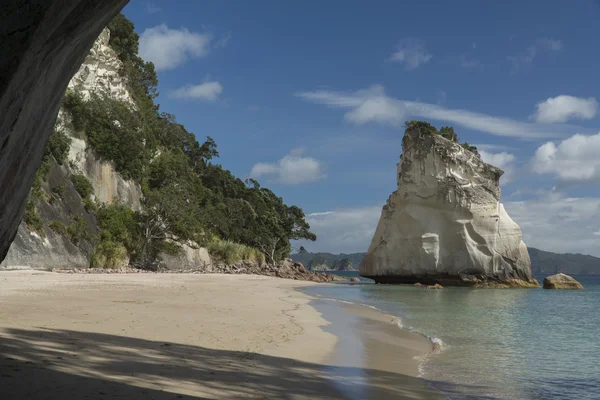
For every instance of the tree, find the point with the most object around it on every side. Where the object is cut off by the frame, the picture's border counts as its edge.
(448, 133)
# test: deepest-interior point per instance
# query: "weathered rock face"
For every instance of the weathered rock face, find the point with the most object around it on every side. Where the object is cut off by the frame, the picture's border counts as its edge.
(561, 281)
(445, 223)
(42, 43)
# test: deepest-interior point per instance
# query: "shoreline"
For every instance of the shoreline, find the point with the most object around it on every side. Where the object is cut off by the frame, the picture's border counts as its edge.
(389, 354)
(193, 336)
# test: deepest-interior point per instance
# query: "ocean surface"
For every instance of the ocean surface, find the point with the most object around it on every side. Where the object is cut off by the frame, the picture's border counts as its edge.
(497, 343)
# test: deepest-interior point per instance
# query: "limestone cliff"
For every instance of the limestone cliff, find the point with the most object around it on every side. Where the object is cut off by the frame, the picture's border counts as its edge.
(99, 74)
(445, 223)
(42, 43)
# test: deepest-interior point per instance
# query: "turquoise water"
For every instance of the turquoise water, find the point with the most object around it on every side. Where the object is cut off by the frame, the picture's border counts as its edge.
(498, 343)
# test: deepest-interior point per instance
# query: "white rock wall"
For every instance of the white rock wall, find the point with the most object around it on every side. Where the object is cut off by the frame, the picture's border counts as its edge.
(445, 222)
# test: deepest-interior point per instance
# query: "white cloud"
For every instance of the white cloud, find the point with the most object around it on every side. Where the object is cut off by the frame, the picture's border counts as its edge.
(292, 169)
(562, 108)
(373, 105)
(574, 160)
(526, 58)
(503, 160)
(342, 231)
(208, 91)
(468, 62)
(170, 48)
(557, 223)
(412, 53)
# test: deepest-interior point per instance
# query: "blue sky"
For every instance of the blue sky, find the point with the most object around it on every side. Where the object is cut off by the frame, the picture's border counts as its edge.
(310, 98)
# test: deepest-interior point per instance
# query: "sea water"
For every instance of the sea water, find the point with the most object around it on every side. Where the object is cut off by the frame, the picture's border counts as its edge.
(498, 343)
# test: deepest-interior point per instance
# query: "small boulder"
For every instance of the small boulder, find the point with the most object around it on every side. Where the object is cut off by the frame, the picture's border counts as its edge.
(561, 281)
(417, 284)
(355, 279)
(436, 286)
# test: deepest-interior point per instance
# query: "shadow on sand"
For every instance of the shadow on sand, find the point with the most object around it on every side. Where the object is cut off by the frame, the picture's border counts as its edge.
(60, 364)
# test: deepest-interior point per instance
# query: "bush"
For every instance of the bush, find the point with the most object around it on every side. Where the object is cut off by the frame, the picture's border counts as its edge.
(82, 185)
(58, 227)
(58, 189)
(118, 223)
(230, 253)
(90, 205)
(109, 254)
(424, 128)
(448, 133)
(78, 230)
(472, 149)
(32, 218)
(58, 145)
(74, 103)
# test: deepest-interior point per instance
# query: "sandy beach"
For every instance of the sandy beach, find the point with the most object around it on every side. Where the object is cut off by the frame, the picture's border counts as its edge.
(190, 336)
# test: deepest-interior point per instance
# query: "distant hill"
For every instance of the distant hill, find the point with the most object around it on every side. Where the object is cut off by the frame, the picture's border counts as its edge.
(542, 262)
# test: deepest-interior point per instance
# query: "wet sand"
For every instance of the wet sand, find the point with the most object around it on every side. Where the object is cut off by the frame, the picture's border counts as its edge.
(188, 336)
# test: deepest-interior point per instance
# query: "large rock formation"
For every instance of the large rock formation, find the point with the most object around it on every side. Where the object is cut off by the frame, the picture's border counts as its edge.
(561, 281)
(42, 43)
(445, 223)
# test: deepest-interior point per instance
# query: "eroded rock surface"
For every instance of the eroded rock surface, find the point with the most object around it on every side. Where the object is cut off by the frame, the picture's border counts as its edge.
(561, 281)
(42, 43)
(445, 223)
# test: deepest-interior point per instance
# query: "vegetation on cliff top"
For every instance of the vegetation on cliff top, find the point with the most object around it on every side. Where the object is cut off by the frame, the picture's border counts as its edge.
(447, 132)
(186, 196)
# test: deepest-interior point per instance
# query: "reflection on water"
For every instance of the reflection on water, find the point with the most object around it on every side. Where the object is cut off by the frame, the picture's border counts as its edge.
(499, 343)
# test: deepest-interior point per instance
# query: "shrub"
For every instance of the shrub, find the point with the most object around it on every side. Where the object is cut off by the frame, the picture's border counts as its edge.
(74, 103)
(448, 133)
(32, 218)
(77, 230)
(472, 149)
(82, 185)
(58, 189)
(109, 254)
(90, 205)
(425, 128)
(58, 145)
(58, 227)
(230, 253)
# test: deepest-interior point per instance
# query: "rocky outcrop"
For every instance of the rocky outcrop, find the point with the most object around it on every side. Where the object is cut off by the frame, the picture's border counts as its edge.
(445, 223)
(286, 269)
(561, 281)
(42, 43)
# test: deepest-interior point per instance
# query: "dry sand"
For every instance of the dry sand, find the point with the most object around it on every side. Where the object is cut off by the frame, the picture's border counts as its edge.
(188, 336)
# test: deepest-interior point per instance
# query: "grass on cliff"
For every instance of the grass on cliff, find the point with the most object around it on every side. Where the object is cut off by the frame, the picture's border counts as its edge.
(230, 253)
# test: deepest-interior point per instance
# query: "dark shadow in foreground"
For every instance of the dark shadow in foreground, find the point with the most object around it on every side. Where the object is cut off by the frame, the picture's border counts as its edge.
(61, 364)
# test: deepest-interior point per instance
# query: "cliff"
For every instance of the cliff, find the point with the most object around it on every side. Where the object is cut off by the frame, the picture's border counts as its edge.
(122, 183)
(59, 201)
(445, 223)
(43, 43)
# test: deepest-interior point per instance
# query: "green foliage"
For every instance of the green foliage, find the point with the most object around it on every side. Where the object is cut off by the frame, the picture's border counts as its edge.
(58, 146)
(78, 230)
(448, 133)
(425, 128)
(116, 134)
(472, 149)
(58, 227)
(109, 254)
(230, 252)
(58, 189)
(90, 205)
(82, 185)
(186, 197)
(32, 218)
(74, 103)
(118, 224)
